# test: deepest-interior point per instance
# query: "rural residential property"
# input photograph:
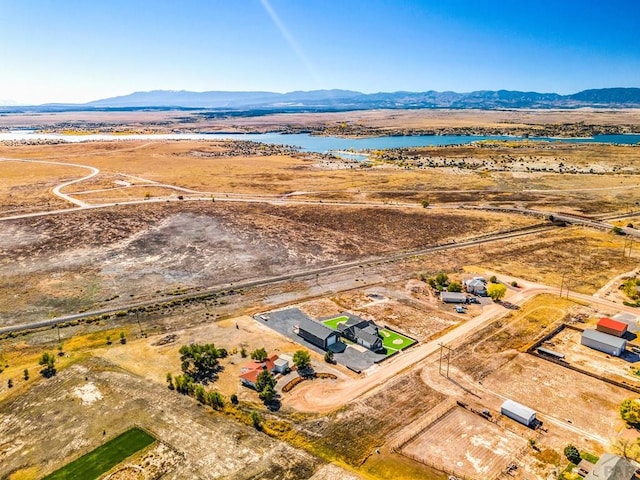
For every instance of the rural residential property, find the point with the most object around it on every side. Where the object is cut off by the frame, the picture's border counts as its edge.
(320, 240)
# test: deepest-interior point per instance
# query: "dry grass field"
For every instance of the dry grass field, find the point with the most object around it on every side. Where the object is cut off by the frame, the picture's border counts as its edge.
(95, 259)
(533, 175)
(587, 258)
(507, 120)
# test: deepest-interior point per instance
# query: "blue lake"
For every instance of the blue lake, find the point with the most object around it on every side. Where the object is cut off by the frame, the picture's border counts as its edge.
(322, 144)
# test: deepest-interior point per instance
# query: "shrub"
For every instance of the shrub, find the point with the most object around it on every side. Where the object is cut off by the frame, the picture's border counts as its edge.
(572, 454)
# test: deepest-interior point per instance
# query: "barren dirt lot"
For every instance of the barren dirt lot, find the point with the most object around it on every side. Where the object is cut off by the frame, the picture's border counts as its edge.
(467, 444)
(393, 307)
(617, 368)
(555, 391)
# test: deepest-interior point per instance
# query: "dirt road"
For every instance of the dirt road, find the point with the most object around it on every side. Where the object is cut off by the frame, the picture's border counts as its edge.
(319, 397)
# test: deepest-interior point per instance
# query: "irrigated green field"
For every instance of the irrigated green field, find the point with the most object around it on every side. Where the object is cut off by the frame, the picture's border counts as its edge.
(105, 457)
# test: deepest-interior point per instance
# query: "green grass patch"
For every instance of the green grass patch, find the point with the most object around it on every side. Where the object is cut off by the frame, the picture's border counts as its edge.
(393, 341)
(589, 457)
(332, 323)
(105, 457)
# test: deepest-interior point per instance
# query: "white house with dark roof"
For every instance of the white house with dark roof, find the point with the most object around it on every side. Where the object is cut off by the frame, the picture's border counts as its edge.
(612, 467)
(362, 332)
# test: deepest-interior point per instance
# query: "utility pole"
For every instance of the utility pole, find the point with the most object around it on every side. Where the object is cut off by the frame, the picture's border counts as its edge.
(562, 284)
(628, 242)
(449, 349)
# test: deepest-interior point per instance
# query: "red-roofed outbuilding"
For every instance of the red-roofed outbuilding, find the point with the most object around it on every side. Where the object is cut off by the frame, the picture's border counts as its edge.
(611, 327)
(251, 370)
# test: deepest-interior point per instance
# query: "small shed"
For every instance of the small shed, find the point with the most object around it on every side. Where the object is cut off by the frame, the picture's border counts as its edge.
(453, 297)
(518, 412)
(281, 365)
(603, 342)
(611, 327)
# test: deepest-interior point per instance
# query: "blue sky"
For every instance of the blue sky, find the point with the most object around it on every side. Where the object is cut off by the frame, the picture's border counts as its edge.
(82, 50)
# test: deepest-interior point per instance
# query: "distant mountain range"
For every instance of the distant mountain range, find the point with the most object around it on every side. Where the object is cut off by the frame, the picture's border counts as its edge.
(326, 100)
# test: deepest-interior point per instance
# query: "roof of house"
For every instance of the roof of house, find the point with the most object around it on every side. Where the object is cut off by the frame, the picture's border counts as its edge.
(518, 409)
(251, 370)
(316, 329)
(611, 467)
(612, 324)
(604, 338)
(366, 335)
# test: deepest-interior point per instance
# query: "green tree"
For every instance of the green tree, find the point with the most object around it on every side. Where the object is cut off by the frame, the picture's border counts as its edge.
(243, 352)
(259, 355)
(328, 357)
(199, 393)
(268, 393)
(170, 381)
(10, 383)
(25, 374)
(454, 287)
(496, 291)
(48, 361)
(256, 420)
(618, 230)
(60, 350)
(442, 279)
(215, 400)
(629, 288)
(302, 359)
(234, 398)
(123, 338)
(493, 279)
(630, 411)
(200, 361)
(424, 203)
(572, 454)
(264, 378)
(108, 340)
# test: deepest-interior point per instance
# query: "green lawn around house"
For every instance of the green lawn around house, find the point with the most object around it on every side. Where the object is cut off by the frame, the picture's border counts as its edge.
(332, 323)
(394, 341)
(105, 457)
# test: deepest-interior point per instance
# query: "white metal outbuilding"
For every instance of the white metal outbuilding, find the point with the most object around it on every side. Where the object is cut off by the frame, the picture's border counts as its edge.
(603, 342)
(518, 412)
